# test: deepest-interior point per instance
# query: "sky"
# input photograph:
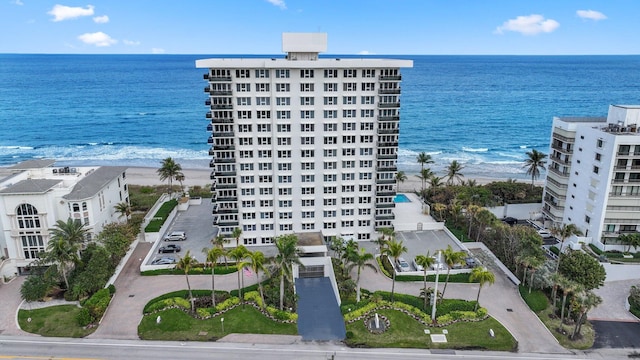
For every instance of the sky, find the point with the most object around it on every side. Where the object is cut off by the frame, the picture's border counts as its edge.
(390, 27)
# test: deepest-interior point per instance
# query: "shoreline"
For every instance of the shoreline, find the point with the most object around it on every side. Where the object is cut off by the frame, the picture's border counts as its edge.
(147, 176)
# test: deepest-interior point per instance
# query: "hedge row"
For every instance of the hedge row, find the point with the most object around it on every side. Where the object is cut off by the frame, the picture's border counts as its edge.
(161, 216)
(94, 308)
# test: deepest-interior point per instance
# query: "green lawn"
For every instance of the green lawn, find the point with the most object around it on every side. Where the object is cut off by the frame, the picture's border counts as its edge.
(177, 325)
(583, 343)
(220, 270)
(536, 300)
(406, 332)
(58, 321)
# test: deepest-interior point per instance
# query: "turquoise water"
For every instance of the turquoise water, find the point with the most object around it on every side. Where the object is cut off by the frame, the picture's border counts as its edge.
(401, 198)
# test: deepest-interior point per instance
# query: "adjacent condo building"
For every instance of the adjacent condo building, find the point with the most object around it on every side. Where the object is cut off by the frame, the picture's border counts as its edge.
(303, 143)
(35, 194)
(593, 177)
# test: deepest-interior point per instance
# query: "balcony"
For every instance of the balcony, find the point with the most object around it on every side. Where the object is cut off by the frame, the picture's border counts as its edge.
(219, 78)
(205, 76)
(214, 210)
(212, 163)
(212, 176)
(207, 102)
(209, 115)
(212, 151)
(210, 140)
(388, 131)
(222, 186)
(223, 147)
(561, 149)
(388, 118)
(559, 160)
(214, 199)
(558, 172)
(388, 144)
(228, 223)
(225, 173)
(385, 181)
(222, 120)
(389, 105)
(223, 134)
(227, 198)
(224, 160)
(386, 168)
(385, 217)
(390, 77)
(386, 156)
(207, 89)
(221, 106)
(220, 92)
(385, 193)
(227, 211)
(385, 205)
(389, 91)
(209, 127)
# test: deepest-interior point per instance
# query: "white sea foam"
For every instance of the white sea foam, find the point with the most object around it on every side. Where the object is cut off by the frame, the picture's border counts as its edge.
(469, 149)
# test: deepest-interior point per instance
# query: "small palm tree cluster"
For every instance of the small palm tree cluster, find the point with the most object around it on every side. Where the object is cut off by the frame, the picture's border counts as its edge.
(352, 257)
(427, 176)
(171, 170)
(281, 264)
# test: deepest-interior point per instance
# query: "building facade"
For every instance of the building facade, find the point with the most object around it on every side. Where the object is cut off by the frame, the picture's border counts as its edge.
(303, 144)
(34, 195)
(593, 175)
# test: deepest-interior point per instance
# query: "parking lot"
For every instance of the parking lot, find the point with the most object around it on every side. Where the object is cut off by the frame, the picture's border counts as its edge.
(196, 222)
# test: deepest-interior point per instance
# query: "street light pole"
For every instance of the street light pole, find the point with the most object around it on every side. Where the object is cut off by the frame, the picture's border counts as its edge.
(434, 298)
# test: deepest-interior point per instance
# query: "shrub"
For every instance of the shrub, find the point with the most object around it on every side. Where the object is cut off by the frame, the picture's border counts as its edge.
(386, 264)
(634, 297)
(83, 317)
(112, 289)
(614, 255)
(161, 215)
(281, 314)
(349, 335)
(595, 249)
(554, 250)
(255, 297)
(97, 304)
(227, 304)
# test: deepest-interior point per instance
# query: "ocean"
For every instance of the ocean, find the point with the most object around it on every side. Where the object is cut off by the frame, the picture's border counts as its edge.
(135, 110)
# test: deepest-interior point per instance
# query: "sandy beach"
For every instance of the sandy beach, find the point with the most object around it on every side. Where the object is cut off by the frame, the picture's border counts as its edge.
(149, 176)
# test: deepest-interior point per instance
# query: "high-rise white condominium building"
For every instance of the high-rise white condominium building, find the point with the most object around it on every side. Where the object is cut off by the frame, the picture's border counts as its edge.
(593, 177)
(302, 143)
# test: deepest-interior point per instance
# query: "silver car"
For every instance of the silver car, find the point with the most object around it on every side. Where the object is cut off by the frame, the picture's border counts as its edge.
(164, 261)
(403, 265)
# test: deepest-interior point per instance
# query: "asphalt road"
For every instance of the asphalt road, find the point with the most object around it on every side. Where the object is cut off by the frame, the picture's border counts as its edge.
(616, 334)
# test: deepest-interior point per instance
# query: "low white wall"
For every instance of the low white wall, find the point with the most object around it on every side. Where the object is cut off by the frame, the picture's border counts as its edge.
(478, 245)
(328, 271)
(155, 236)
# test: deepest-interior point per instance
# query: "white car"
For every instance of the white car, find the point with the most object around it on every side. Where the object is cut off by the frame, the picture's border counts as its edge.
(544, 233)
(438, 265)
(403, 265)
(176, 236)
(417, 266)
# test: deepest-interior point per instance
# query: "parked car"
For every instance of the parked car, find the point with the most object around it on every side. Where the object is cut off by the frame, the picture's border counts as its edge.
(438, 265)
(417, 266)
(471, 262)
(176, 236)
(403, 265)
(171, 248)
(544, 233)
(164, 261)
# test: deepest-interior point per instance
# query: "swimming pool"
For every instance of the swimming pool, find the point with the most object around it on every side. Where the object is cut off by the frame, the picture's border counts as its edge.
(401, 198)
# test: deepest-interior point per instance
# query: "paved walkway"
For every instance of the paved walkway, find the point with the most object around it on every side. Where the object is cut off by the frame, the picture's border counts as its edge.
(10, 295)
(614, 295)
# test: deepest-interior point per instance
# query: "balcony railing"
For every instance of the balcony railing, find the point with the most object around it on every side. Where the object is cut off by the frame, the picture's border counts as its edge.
(386, 156)
(385, 217)
(385, 193)
(558, 172)
(388, 131)
(389, 91)
(227, 211)
(228, 223)
(226, 186)
(388, 144)
(219, 78)
(209, 127)
(224, 160)
(387, 168)
(385, 181)
(221, 106)
(224, 147)
(220, 92)
(223, 134)
(390, 77)
(562, 150)
(222, 120)
(225, 173)
(385, 205)
(388, 118)
(389, 105)
(227, 198)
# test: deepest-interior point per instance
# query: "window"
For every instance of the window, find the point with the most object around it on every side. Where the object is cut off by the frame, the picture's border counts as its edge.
(308, 190)
(366, 139)
(246, 179)
(348, 164)
(330, 189)
(306, 100)
(330, 165)
(350, 139)
(364, 211)
(367, 113)
(330, 127)
(306, 73)
(347, 212)
(331, 100)
(307, 166)
(262, 73)
(246, 154)
(286, 227)
(266, 191)
(307, 153)
(349, 113)
(308, 214)
(348, 188)
(249, 216)
(329, 213)
(347, 200)
(329, 225)
(330, 114)
(308, 178)
(263, 114)
(587, 219)
(284, 191)
(331, 73)
(282, 73)
(246, 167)
(282, 87)
(348, 100)
(347, 223)
(281, 101)
(264, 153)
(330, 177)
(244, 128)
(248, 227)
(349, 86)
(369, 86)
(368, 73)
(308, 202)
(330, 140)
(285, 215)
(306, 87)
(284, 141)
(263, 101)
(283, 179)
(599, 143)
(266, 203)
(243, 74)
(244, 101)
(243, 87)
(349, 152)
(284, 154)
(285, 203)
(350, 73)
(367, 100)
(32, 245)
(264, 166)
(283, 114)
(262, 87)
(348, 176)
(244, 114)
(596, 169)
(330, 87)
(307, 127)
(264, 127)
(366, 176)
(284, 128)
(248, 204)
(330, 152)
(364, 223)
(307, 140)
(330, 202)
(366, 163)
(307, 114)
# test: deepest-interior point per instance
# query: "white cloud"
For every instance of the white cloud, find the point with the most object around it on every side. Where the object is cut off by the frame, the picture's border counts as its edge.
(131, 42)
(591, 15)
(18, 2)
(98, 39)
(61, 12)
(278, 3)
(528, 25)
(157, 51)
(101, 19)
(365, 52)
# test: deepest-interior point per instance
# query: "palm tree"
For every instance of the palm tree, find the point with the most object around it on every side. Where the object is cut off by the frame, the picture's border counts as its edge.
(213, 255)
(63, 253)
(426, 261)
(587, 300)
(454, 172)
(423, 159)
(472, 210)
(185, 264)
(568, 287)
(533, 163)
(439, 208)
(387, 235)
(564, 233)
(168, 171)
(535, 263)
(434, 183)
(236, 235)
(179, 177)
(451, 258)
(72, 231)
(288, 254)
(219, 242)
(394, 250)
(400, 178)
(124, 209)
(257, 263)
(239, 253)
(482, 275)
(359, 260)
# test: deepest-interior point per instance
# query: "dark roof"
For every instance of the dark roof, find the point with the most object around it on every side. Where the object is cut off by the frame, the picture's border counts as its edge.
(310, 239)
(94, 181)
(30, 186)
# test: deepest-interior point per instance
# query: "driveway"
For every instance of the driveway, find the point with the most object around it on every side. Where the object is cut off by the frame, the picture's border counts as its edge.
(616, 334)
(134, 291)
(10, 295)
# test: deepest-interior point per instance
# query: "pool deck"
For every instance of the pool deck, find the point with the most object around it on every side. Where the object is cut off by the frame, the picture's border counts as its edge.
(410, 214)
